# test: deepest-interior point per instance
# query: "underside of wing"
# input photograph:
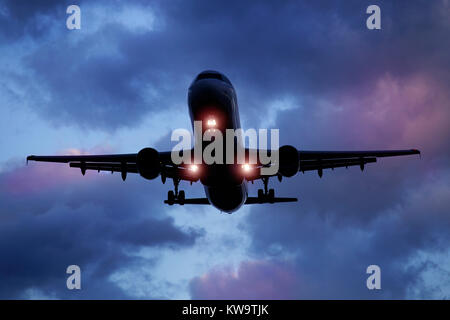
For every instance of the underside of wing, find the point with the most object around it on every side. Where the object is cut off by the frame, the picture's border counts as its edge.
(123, 163)
(319, 160)
(313, 155)
(149, 163)
(116, 158)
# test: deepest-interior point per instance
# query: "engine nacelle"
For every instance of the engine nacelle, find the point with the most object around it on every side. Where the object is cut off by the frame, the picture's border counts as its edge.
(289, 161)
(148, 163)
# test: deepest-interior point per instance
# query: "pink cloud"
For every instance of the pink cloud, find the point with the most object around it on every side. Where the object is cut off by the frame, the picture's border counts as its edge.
(252, 280)
(39, 176)
(400, 112)
(391, 112)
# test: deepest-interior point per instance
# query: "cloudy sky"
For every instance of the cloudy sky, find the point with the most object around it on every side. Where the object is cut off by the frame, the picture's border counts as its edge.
(310, 68)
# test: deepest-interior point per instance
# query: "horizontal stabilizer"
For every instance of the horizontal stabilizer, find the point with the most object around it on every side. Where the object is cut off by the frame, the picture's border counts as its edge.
(188, 201)
(254, 200)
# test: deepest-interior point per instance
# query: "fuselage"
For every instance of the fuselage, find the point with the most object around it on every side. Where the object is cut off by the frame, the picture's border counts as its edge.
(212, 100)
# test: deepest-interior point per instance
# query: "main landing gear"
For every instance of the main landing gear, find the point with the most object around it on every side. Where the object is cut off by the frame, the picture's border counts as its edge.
(266, 195)
(173, 196)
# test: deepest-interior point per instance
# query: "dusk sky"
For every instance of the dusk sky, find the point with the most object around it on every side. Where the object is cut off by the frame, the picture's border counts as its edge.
(309, 68)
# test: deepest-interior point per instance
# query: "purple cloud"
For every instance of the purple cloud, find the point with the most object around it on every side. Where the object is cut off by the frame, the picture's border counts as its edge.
(252, 280)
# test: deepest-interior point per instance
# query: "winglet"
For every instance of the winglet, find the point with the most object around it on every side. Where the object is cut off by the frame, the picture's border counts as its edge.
(29, 158)
(416, 151)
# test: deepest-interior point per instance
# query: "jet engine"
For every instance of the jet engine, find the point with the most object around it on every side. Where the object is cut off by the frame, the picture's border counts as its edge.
(148, 164)
(289, 161)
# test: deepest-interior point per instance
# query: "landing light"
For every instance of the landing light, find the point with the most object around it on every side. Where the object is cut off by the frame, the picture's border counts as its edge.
(246, 167)
(193, 168)
(211, 122)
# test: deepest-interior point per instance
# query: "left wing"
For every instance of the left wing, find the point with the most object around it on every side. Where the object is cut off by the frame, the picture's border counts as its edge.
(123, 163)
(160, 164)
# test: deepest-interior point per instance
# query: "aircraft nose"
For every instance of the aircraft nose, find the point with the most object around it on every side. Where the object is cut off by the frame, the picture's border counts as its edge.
(211, 102)
(210, 93)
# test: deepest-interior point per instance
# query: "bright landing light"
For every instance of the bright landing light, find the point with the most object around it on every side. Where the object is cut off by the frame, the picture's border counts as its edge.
(246, 167)
(193, 168)
(211, 122)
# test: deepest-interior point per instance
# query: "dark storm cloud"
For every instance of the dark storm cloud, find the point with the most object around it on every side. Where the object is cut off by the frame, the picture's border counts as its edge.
(102, 90)
(296, 48)
(20, 18)
(51, 218)
(81, 78)
(299, 47)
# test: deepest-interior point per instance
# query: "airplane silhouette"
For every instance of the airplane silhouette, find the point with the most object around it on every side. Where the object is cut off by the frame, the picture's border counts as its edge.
(212, 100)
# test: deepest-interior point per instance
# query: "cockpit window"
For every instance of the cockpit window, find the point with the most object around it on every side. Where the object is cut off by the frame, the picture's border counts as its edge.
(212, 75)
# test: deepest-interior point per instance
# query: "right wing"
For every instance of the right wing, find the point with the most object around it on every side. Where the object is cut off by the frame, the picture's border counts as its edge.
(319, 160)
(292, 160)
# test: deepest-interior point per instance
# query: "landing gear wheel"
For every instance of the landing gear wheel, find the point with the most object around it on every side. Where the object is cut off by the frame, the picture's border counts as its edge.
(260, 193)
(261, 196)
(271, 195)
(170, 197)
(181, 197)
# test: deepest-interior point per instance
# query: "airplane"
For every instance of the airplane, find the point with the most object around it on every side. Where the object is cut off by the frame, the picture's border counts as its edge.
(212, 100)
